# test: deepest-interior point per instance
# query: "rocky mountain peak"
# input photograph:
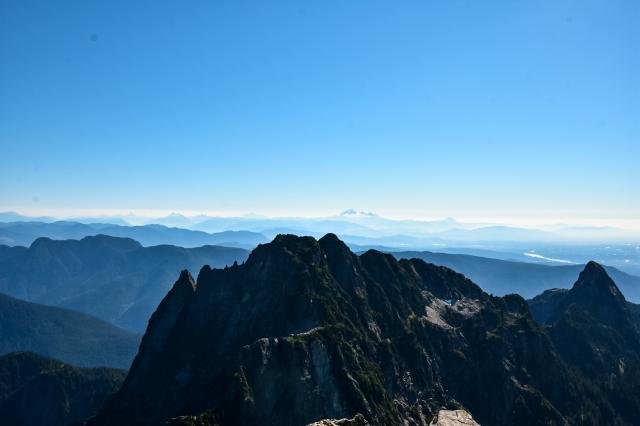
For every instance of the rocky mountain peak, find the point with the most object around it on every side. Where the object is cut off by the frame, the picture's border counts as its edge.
(286, 246)
(593, 268)
(594, 330)
(306, 330)
(595, 292)
(166, 316)
(185, 281)
(595, 280)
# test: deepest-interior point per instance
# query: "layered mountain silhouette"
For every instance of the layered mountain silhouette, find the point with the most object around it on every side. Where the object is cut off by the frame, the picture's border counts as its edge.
(36, 391)
(502, 277)
(306, 330)
(63, 334)
(122, 282)
(25, 233)
(115, 279)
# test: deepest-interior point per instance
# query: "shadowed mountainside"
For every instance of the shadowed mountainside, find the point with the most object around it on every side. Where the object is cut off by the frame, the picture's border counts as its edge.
(63, 334)
(36, 391)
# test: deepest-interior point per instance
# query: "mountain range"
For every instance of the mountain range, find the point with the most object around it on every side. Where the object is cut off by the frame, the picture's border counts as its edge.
(306, 330)
(364, 225)
(115, 279)
(119, 281)
(25, 233)
(360, 231)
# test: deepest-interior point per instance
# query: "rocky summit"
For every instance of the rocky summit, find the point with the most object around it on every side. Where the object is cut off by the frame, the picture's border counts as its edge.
(305, 331)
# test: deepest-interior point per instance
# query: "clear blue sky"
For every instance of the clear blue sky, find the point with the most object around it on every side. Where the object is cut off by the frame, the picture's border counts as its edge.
(406, 108)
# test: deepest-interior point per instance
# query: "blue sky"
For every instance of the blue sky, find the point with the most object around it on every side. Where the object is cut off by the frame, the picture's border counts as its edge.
(493, 109)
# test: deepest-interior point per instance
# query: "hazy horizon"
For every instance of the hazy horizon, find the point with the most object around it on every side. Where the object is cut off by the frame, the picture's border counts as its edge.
(149, 215)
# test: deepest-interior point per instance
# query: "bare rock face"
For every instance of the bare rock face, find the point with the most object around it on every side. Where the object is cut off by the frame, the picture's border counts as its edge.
(453, 418)
(306, 330)
(358, 420)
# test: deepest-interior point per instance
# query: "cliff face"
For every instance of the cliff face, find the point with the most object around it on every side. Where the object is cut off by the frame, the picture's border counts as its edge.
(306, 330)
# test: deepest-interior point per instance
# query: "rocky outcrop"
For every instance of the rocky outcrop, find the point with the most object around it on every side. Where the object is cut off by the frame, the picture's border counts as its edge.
(453, 418)
(358, 420)
(306, 330)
